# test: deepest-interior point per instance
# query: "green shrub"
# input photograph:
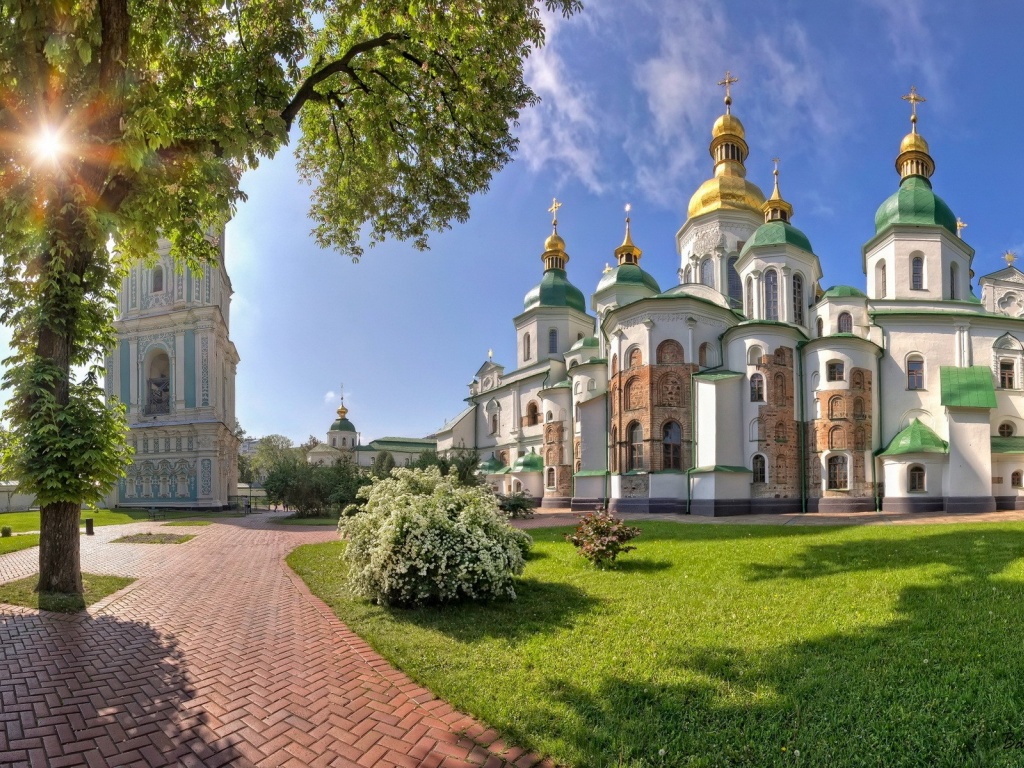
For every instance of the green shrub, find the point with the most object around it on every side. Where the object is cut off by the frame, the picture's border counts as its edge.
(516, 504)
(425, 539)
(601, 538)
(5, 531)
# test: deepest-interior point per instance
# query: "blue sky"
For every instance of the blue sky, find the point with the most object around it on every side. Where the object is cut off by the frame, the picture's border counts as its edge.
(629, 95)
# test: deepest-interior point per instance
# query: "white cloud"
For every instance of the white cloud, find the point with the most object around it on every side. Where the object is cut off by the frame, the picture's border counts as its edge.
(561, 131)
(330, 396)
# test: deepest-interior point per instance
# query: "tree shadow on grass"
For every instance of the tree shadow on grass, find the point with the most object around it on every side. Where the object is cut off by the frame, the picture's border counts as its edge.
(629, 565)
(938, 683)
(540, 607)
(99, 689)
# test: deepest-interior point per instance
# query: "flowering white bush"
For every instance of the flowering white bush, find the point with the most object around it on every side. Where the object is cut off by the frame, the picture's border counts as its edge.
(425, 539)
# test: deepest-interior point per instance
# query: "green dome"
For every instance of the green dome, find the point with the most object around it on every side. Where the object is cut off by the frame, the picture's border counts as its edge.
(586, 341)
(778, 233)
(342, 425)
(843, 292)
(490, 465)
(529, 462)
(916, 438)
(915, 203)
(555, 290)
(627, 274)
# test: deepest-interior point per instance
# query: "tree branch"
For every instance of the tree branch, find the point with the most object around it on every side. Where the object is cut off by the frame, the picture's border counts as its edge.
(307, 90)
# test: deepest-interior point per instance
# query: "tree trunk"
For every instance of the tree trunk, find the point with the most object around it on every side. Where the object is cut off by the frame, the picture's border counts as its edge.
(60, 563)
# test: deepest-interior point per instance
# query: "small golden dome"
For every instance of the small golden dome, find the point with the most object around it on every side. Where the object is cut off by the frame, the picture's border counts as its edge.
(732, 193)
(913, 142)
(727, 124)
(554, 243)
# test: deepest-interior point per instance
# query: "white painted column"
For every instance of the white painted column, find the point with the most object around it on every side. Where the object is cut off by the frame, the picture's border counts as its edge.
(134, 374)
(758, 296)
(178, 364)
(785, 296)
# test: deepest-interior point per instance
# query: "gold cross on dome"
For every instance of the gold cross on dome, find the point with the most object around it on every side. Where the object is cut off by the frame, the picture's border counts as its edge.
(775, 173)
(553, 210)
(629, 208)
(1009, 257)
(726, 83)
(914, 98)
(961, 225)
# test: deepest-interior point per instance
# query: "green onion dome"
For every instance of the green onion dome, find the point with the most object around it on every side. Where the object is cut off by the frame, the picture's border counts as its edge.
(555, 290)
(915, 203)
(627, 274)
(778, 232)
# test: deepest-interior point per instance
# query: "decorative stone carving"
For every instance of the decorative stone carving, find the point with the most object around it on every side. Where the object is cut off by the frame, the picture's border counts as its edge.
(635, 486)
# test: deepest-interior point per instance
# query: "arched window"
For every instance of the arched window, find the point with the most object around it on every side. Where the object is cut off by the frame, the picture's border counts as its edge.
(837, 473)
(860, 442)
(820, 327)
(771, 295)
(858, 408)
(688, 274)
(494, 423)
(576, 413)
(757, 465)
(780, 432)
(707, 273)
(670, 352)
(671, 446)
(579, 337)
(553, 341)
(158, 279)
(633, 394)
(757, 429)
(702, 354)
(1017, 479)
(781, 470)
(954, 277)
(778, 389)
(837, 439)
(754, 355)
(636, 446)
(158, 384)
(532, 414)
(735, 286)
(1006, 374)
(845, 322)
(757, 388)
(1006, 429)
(615, 364)
(915, 372)
(551, 477)
(615, 449)
(798, 299)
(549, 416)
(749, 298)
(915, 479)
(636, 359)
(917, 273)
(836, 408)
(880, 280)
(526, 347)
(857, 380)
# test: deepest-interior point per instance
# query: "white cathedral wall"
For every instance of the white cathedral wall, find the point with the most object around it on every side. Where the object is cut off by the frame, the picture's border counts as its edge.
(895, 471)
(970, 455)
(668, 485)
(718, 423)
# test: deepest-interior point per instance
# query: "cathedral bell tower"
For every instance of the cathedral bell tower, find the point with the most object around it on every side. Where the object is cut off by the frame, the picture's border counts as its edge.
(174, 369)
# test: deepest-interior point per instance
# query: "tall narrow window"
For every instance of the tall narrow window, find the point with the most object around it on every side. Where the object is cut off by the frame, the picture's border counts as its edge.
(836, 408)
(158, 279)
(636, 359)
(735, 285)
(1016, 479)
(494, 424)
(837, 473)
(636, 446)
(553, 341)
(858, 408)
(551, 477)
(688, 274)
(845, 323)
(915, 479)
(1006, 374)
(954, 277)
(707, 273)
(703, 354)
(757, 388)
(882, 282)
(798, 299)
(671, 446)
(771, 295)
(915, 373)
(917, 273)
(532, 414)
(749, 297)
(526, 347)
(757, 465)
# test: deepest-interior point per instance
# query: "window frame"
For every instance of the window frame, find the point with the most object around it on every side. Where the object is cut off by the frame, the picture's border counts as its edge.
(757, 388)
(917, 479)
(671, 450)
(1007, 427)
(1007, 367)
(771, 295)
(835, 370)
(844, 323)
(837, 467)
(552, 341)
(917, 273)
(635, 447)
(915, 377)
(759, 468)
(798, 298)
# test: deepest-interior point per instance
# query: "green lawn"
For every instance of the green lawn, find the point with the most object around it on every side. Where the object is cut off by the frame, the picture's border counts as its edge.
(187, 523)
(735, 646)
(154, 538)
(14, 543)
(332, 521)
(29, 521)
(22, 592)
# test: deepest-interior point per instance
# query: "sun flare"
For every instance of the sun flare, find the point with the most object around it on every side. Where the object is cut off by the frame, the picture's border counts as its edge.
(48, 145)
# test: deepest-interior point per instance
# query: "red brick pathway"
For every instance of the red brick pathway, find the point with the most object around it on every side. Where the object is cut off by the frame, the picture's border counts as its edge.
(217, 655)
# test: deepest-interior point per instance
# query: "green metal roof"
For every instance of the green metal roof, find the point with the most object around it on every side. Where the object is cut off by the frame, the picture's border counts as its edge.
(717, 375)
(722, 468)
(555, 290)
(916, 438)
(491, 465)
(967, 387)
(404, 444)
(843, 292)
(915, 203)
(342, 425)
(529, 462)
(777, 233)
(591, 473)
(627, 274)
(1008, 445)
(586, 341)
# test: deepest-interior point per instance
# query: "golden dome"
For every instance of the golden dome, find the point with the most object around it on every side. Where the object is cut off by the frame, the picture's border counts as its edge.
(731, 193)
(913, 141)
(554, 243)
(727, 124)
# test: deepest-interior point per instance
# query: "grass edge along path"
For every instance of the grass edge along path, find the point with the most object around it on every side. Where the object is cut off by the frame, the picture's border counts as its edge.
(154, 538)
(19, 542)
(893, 646)
(20, 522)
(22, 592)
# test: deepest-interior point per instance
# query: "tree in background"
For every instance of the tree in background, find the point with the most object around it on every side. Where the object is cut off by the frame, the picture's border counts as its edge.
(271, 451)
(383, 463)
(245, 473)
(462, 462)
(124, 121)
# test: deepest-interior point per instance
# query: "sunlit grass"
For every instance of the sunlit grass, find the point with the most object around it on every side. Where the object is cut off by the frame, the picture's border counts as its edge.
(22, 592)
(734, 646)
(29, 521)
(15, 543)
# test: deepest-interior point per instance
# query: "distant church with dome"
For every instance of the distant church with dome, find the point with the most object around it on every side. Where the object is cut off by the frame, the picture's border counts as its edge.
(749, 388)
